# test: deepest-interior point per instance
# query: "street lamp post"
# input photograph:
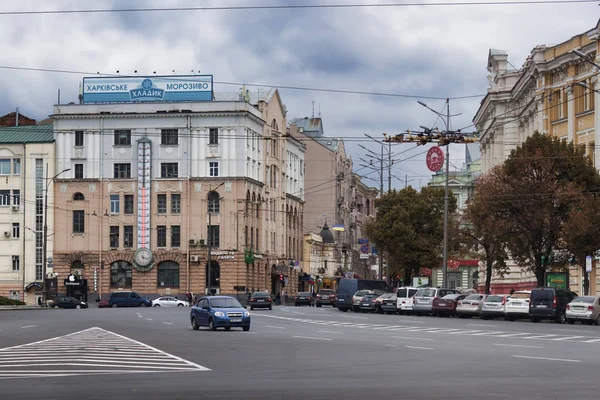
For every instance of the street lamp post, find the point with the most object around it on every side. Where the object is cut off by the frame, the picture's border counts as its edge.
(45, 242)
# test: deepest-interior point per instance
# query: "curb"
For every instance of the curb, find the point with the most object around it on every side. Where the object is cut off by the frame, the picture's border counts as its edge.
(22, 308)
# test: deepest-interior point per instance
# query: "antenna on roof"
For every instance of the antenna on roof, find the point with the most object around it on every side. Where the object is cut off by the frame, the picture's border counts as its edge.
(313, 105)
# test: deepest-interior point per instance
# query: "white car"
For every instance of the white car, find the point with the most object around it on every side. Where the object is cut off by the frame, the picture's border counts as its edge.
(518, 305)
(404, 299)
(168, 301)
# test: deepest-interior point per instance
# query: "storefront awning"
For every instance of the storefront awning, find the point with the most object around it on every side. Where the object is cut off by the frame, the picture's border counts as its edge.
(34, 284)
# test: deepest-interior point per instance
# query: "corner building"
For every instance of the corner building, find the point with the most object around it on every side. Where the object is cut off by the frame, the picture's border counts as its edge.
(153, 185)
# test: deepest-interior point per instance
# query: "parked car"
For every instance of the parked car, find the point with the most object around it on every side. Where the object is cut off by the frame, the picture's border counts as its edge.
(494, 306)
(518, 305)
(325, 297)
(67, 302)
(357, 298)
(168, 301)
(303, 298)
(404, 299)
(103, 303)
(127, 299)
(424, 297)
(347, 287)
(219, 311)
(470, 306)
(585, 309)
(386, 303)
(446, 306)
(367, 303)
(261, 300)
(549, 303)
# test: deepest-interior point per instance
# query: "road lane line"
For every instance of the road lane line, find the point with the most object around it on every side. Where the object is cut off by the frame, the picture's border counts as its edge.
(274, 327)
(340, 333)
(420, 348)
(539, 336)
(547, 358)
(467, 332)
(573, 330)
(487, 333)
(28, 326)
(568, 338)
(168, 323)
(409, 338)
(518, 345)
(514, 334)
(483, 325)
(311, 338)
(149, 319)
(592, 341)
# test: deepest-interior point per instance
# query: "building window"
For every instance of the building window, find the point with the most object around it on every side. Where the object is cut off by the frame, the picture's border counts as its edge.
(114, 236)
(213, 168)
(16, 231)
(169, 136)
(78, 138)
(161, 204)
(128, 236)
(16, 166)
(120, 274)
(175, 203)
(4, 197)
(168, 274)
(39, 217)
(175, 236)
(213, 236)
(78, 197)
(114, 204)
(214, 205)
(78, 171)
(16, 263)
(16, 197)
(169, 170)
(128, 204)
(161, 236)
(78, 221)
(5, 166)
(122, 171)
(15, 295)
(123, 137)
(213, 136)
(215, 274)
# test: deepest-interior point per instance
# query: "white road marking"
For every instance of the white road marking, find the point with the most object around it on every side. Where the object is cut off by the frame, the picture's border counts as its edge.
(592, 341)
(140, 316)
(28, 326)
(355, 317)
(409, 338)
(518, 345)
(311, 338)
(420, 348)
(274, 327)
(149, 319)
(568, 338)
(572, 330)
(483, 325)
(463, 332)
(547, 358)
(538, 337)
(486, 333)
(167, 323)
(340, 333)
(513, 335)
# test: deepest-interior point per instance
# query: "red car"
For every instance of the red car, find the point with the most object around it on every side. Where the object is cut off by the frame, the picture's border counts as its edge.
(446, 306)
(103, 303)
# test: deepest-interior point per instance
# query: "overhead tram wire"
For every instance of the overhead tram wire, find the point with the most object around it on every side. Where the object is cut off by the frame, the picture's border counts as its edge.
(300, 6)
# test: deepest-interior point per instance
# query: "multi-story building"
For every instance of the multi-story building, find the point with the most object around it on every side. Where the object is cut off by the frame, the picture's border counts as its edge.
(331, 194)
(556, 93)
(26, 163)
(161, 189)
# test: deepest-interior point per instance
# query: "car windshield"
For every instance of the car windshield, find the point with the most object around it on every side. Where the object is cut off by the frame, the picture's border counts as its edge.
(260, 294)
(225, 303)
(326, 292)
(303, 294)
(585, 299)
(362, 293)
(519, 296)
(494, 299)
(452, 296)
(475, 297)
(426, 293)
(543, 295)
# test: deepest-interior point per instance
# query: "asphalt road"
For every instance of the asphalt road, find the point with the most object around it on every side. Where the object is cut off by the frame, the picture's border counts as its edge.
(291, 353)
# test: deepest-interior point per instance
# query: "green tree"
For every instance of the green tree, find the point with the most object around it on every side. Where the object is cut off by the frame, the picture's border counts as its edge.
(409, 228)
(532, 193)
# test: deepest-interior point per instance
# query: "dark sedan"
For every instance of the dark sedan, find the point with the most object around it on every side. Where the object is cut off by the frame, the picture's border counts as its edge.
(325, 297)
(261, 300)
(68, 302)
(368, 302)
(446, 306)
(303, 299)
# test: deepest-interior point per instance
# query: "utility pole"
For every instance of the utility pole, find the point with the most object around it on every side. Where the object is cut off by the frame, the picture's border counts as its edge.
(444, 138)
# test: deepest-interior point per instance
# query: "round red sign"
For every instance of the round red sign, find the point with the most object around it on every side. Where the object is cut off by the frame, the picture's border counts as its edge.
(435, 159)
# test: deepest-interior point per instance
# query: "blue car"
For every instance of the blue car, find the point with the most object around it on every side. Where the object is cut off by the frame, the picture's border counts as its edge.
(219, 311)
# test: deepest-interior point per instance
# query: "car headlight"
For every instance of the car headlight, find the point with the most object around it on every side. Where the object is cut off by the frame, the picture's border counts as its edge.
(219, 314)
(246, 314)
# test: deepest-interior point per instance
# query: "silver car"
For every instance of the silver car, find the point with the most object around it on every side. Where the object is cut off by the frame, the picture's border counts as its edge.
(494, 306)
(470, 306)
(584, 308)
(424, 299)
(358, 297)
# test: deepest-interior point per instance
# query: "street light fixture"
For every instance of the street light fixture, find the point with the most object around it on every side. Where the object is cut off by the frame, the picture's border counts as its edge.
(585, 58)
(45, 243)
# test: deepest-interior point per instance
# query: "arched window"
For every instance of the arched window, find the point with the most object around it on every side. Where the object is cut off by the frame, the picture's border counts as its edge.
(258, 207)
(78, 197)
(168, 274)
(213, 203)
(215, 274)
(120, 274)
(76, 265)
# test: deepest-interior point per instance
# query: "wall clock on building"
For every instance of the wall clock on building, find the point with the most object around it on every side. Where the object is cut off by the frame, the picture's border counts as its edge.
(143, 259)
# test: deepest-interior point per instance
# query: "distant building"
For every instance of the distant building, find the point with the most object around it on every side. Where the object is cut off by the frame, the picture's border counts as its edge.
(10, 119)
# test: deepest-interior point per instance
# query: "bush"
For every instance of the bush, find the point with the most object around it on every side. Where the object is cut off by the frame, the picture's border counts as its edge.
(5, 301)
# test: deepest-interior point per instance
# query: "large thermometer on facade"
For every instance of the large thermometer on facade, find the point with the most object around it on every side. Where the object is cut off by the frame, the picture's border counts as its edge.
(143, 256)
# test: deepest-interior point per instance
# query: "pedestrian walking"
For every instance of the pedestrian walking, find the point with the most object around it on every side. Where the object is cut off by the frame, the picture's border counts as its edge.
(278, 299)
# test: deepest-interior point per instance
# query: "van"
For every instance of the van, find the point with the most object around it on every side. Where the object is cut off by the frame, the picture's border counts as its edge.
(127, 299)
(348, 286)
(549, 303)
(404, 299)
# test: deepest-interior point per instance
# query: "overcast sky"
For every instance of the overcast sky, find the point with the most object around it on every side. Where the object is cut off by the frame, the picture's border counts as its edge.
(434, 51)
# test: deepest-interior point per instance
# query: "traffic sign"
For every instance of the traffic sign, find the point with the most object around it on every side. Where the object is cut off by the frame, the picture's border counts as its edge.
(435, 159)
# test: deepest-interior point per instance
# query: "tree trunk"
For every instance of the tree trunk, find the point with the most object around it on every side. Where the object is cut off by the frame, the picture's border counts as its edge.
(489, 263)
(540, 274)
(586, 281)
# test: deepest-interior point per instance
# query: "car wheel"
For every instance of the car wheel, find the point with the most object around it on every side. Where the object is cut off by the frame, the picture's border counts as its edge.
(246, 328)
(56, 307)
(562, 318)
(78, 306)
(227, 328)
(142, 304)
(251, 308)
(211, 325)
(179, 305)
(157, 305)
(115, 305)
(270, 307)
(195, 325)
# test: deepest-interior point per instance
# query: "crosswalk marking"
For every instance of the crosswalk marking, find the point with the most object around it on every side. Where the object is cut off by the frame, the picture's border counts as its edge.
(88, 352)
(448, 331)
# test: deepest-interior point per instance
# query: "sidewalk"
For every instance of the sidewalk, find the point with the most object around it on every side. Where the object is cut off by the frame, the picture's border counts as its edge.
(22, 308)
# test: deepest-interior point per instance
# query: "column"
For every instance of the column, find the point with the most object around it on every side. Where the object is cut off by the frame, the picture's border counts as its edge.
(570, 113)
